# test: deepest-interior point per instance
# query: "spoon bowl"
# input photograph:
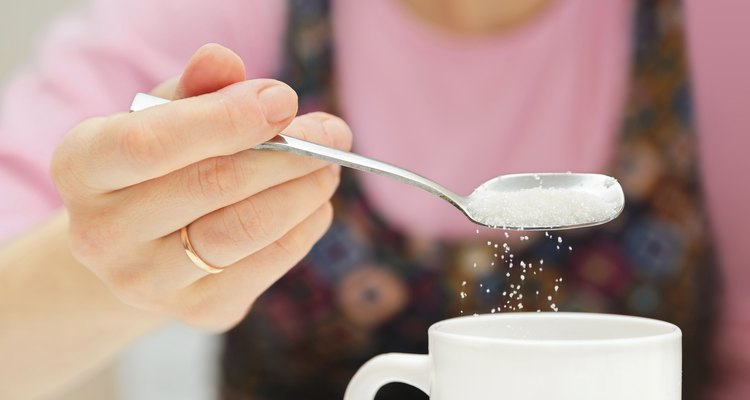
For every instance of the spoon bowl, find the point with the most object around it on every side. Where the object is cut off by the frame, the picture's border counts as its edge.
(537, 201)
(545, 201)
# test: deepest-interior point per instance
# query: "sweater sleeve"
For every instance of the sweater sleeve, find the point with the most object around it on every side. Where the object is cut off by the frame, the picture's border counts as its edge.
(720, 62)
(93, 61)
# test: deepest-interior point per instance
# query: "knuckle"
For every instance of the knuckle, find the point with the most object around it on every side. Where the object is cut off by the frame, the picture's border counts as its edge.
(64, 166)
(298, 242)
(243, 119)
(305, 127)
(60, 173)
(239, 225)
(133, 285)
(141, 145)
(338, 132)
(214, 178)
(128, 283)
(236, 114)
(324, 128)
(295, 244)
(90, 243)
(252, 221)
(60, 163)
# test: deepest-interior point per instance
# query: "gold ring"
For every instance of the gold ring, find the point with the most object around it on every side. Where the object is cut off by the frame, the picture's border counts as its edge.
(193, 256)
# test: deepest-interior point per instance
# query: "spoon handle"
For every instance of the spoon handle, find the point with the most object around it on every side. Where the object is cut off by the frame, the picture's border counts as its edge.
(282, 142)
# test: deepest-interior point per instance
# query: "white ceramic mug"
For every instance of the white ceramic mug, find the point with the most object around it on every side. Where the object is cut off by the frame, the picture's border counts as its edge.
(536, 356)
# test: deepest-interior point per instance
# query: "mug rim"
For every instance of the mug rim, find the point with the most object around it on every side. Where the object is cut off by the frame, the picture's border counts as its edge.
(673, 332)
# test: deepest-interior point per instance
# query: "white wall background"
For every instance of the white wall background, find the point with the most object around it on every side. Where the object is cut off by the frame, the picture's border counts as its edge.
(175, 363)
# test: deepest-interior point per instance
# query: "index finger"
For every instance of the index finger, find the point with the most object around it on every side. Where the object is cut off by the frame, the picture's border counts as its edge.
(127, 149)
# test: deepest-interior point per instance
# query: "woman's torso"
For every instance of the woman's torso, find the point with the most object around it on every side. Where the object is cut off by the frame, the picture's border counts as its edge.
(369, 286)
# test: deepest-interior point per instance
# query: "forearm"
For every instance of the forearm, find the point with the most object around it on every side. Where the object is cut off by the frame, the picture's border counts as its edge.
(58, 322)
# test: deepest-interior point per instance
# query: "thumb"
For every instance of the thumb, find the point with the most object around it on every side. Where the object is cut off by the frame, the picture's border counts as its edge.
(211, 68)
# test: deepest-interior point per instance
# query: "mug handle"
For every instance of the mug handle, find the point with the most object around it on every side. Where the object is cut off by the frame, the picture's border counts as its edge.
(412, 369)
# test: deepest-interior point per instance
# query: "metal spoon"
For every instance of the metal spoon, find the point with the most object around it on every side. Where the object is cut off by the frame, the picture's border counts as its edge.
(519, 191)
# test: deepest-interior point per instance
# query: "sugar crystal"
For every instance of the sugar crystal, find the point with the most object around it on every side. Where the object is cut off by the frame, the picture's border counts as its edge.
(540, 207)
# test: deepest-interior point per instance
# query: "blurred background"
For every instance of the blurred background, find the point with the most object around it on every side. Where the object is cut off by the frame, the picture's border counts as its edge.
(184, 358)
(21, 24)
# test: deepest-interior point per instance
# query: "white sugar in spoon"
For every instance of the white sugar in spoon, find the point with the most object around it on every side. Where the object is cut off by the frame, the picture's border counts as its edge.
(547, 201)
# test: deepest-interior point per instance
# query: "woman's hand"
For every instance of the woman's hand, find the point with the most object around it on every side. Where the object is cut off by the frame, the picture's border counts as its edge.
(130, 182)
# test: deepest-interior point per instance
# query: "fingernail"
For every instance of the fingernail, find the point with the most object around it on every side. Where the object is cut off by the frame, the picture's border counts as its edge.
(279, 102)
